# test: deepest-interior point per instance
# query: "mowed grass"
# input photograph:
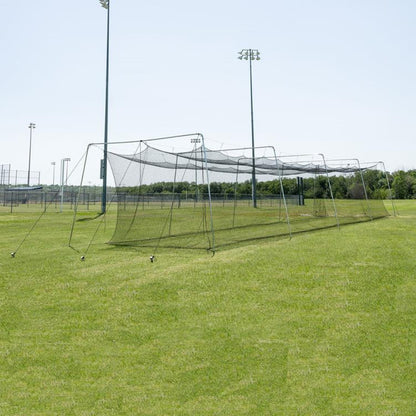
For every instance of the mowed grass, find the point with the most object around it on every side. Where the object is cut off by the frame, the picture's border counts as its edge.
(323, 324)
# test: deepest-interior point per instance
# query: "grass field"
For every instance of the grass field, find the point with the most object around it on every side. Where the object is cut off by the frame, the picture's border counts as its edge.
(322, 324)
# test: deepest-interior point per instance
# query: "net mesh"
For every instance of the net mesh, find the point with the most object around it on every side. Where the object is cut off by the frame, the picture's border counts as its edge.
(200, 198)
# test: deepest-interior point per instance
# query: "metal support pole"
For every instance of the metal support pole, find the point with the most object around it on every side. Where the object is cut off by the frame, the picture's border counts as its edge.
(62, 184)
(388, 186)
(53, 174)
(250, 55)
(204, 151)
(330, 190)
(64, 178)
(369, 213)
(31, 127)
(106, 5)
(253, 155)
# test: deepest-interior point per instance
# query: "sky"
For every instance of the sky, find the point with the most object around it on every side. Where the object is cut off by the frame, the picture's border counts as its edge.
(335, 77)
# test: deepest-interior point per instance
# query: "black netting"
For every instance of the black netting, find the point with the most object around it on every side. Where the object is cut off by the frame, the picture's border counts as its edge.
(202, 198)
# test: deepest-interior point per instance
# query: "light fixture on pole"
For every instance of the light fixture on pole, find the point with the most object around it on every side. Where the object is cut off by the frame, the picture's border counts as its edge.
(64, 178)
(251, 55)
(31, 127)
(53, 175)
(106, 5)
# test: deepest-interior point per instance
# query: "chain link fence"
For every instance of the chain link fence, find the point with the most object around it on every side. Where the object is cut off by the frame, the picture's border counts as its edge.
(15, 200)
(9, 177)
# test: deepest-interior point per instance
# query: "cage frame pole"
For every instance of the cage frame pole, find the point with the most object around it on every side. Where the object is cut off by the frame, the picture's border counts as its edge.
(388, 186)
(235, 191)
(282, 191)
(364, 188)
(204, 151)
(194, 150)
(380, 162)
(330, 190)
(147, 140)
(173, 197)
(77, 197)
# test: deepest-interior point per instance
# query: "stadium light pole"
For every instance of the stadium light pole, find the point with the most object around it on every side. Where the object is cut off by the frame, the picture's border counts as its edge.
(251, 55)
(106, 5)
(53, 174)
(31, 127)
(64, 178)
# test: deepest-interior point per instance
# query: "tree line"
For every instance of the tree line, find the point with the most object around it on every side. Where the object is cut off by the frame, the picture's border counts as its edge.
(377, 183)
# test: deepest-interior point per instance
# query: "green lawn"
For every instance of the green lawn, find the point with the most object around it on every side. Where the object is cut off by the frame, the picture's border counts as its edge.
(322, 324)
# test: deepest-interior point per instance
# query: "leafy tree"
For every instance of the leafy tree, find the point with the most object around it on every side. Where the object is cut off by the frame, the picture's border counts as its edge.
(339, 187)
(404, 184)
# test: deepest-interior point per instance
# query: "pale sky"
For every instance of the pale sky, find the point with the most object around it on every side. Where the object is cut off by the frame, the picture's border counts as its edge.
(335, 76)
